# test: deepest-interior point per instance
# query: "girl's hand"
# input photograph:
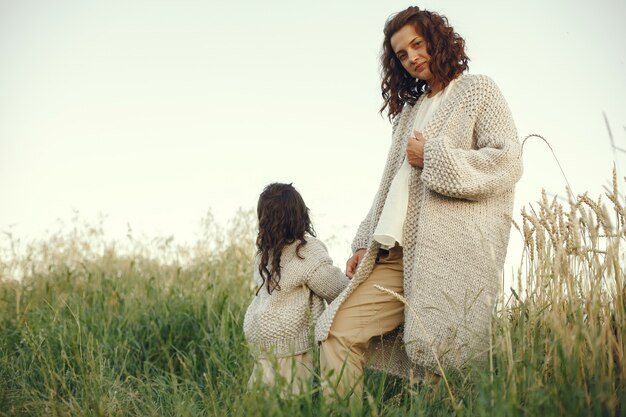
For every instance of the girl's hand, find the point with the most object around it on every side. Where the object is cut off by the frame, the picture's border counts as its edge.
(353, 262)
(415, 150)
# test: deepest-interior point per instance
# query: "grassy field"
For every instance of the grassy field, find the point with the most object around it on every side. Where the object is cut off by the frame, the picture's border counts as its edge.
(156, 329)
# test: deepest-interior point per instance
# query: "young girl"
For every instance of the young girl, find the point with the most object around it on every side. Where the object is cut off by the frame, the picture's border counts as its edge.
(294, 275)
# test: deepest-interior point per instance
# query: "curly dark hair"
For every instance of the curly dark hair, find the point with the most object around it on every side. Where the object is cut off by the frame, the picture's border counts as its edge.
(283, 219)
(445, 47)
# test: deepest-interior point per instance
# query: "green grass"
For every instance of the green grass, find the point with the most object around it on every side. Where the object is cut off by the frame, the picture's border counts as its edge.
(93, 330)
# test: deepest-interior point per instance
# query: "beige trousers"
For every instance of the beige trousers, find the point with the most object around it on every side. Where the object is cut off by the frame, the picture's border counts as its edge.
(365, 314)
(296, 371)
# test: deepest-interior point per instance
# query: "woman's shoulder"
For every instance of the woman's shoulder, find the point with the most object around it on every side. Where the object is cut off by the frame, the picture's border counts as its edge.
(475, 91)
(477, 84)
(476, 79)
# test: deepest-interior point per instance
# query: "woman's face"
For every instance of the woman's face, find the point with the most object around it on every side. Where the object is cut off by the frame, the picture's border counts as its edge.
(410, 48)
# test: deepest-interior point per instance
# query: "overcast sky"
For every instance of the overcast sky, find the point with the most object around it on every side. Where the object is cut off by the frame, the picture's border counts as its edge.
(154, 112)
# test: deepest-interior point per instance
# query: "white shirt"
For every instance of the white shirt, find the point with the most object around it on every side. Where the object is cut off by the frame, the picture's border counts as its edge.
(389, 228)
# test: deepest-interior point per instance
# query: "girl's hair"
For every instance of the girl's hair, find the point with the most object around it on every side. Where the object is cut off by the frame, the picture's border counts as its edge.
(447, 57)
(283, 219)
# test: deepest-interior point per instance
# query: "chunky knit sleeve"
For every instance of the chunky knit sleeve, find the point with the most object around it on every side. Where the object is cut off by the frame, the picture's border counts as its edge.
(323, 278)
(493, 166)
(327, 281)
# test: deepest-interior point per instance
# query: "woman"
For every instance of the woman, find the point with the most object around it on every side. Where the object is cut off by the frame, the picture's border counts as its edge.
(438, 228)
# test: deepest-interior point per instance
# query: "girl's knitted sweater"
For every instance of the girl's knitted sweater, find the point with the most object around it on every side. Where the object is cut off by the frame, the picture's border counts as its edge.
(455, 232)
(280, 323)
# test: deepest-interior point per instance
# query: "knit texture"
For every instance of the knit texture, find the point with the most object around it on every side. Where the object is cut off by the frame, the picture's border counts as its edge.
(280, 323)
(455, 234)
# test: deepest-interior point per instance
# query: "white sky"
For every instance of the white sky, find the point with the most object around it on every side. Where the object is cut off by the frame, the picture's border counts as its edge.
(153, 112)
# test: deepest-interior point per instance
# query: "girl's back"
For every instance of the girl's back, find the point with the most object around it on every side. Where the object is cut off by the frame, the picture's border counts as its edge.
(279, 321)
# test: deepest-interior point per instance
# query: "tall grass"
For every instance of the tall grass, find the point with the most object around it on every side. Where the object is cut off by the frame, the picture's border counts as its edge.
(94, 330)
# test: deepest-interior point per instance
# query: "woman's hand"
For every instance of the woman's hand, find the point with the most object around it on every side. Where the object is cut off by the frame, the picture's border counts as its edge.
(353, 262)
(415, 150)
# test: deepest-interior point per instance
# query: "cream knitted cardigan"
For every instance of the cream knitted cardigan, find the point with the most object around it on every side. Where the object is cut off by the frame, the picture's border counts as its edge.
(456, 230)
(280, 323)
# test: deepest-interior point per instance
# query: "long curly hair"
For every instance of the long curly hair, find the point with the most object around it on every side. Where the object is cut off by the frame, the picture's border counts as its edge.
(447, 58)
(283, 219)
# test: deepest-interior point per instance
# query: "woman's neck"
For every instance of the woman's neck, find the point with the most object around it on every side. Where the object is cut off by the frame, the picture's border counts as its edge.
(434, 88)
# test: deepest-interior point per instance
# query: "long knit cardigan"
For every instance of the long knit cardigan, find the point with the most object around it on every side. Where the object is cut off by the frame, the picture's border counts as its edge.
(280, 323)
(455, 233)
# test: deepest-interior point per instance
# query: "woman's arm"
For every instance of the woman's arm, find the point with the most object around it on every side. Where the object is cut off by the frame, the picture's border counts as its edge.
(473, 174)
